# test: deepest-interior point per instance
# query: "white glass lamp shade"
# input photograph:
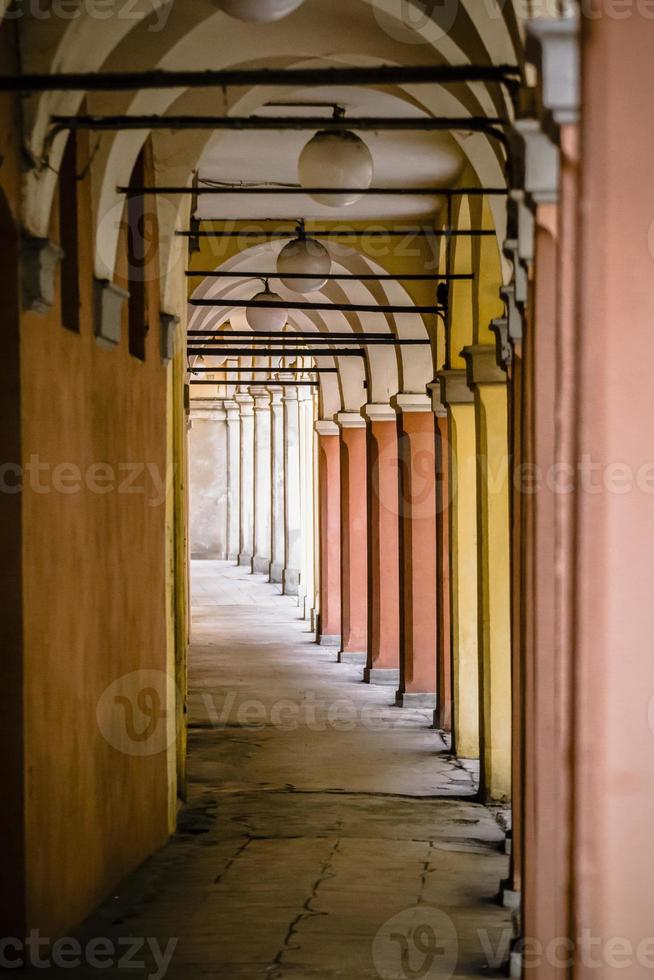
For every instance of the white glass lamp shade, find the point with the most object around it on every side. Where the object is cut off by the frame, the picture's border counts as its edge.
(304, 256)
(332, 159)
(266, 321)
(263, 11)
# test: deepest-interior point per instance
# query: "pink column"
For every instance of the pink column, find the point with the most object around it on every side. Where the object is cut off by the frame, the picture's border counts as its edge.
(543, 902)
(383, 666)
(329, 521)
(354, 539)
(613, 681)
(418, 557)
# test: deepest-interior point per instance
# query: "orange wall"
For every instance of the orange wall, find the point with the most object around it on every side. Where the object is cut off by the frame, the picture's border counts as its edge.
(93, 599)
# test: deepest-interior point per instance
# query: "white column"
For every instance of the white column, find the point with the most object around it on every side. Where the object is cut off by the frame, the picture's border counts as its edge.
(293, 522)
(307, 436)
(262, 482)
(277, 496)
(207, 480)
(233, 480)
(246, 412)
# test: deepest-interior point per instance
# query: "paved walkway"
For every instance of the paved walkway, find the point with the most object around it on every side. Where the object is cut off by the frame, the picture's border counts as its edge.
(328, 834)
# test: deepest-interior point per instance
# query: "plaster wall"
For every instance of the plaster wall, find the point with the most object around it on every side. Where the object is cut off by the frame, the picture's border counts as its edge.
(89, 565)
(208, 483)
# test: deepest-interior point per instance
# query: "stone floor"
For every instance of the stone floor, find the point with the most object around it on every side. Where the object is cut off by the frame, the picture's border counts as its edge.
(328, 833)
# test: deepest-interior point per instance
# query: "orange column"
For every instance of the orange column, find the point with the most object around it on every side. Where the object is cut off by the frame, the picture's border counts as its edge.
(418, 562)
(329, 521)
(383, 666)
(354, 535)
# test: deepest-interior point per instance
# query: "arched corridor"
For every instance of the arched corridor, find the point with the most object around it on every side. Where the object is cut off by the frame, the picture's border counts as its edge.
(308, 791)
(326, 488)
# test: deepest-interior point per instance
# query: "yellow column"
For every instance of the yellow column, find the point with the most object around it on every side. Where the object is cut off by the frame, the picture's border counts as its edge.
(458, 398)
(488, 381)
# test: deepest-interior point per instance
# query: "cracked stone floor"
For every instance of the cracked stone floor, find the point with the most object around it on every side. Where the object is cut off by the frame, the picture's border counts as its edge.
(328, 833)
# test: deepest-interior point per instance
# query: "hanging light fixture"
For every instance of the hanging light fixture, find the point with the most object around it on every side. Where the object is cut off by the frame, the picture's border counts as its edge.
(333, 159)
(263, 11)
(266, 321)
(304, 256)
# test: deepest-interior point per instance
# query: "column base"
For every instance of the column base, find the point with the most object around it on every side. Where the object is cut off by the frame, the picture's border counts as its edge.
(404, 699)
(329, 641)
(515, 964)
(276, 572)
(233, 557)
(388, 677)
(245, 560)
(260, 565)
(291, 581)
(349, 657)
(509, 898)
(443, 718)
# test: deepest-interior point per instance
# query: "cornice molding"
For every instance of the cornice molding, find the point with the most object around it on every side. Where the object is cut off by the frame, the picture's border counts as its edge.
(438, 407)
(412, 402)
(541, 161)
(481, 365)
(208, 410)
(503, 349)
(454, 387)
(169, 324)
(39, 261)
(379, 412)
(350, 420)
(552, 45)
(325, 427)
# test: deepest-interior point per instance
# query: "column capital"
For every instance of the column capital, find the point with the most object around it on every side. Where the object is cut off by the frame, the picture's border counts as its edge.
(524, 223)
(231, 407)
(454, 387)
(379, 412)
(40, 259)
(438, 407)
(290, 393)
(482, 366)
(552, 45)
(350, 420)
(245, 403)
(512, 311)
(276, 392)
(304, 393)
(261, 399)
(503, 349)
(541, 161)
(520, 280)
(325, 427)
(411, 402)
